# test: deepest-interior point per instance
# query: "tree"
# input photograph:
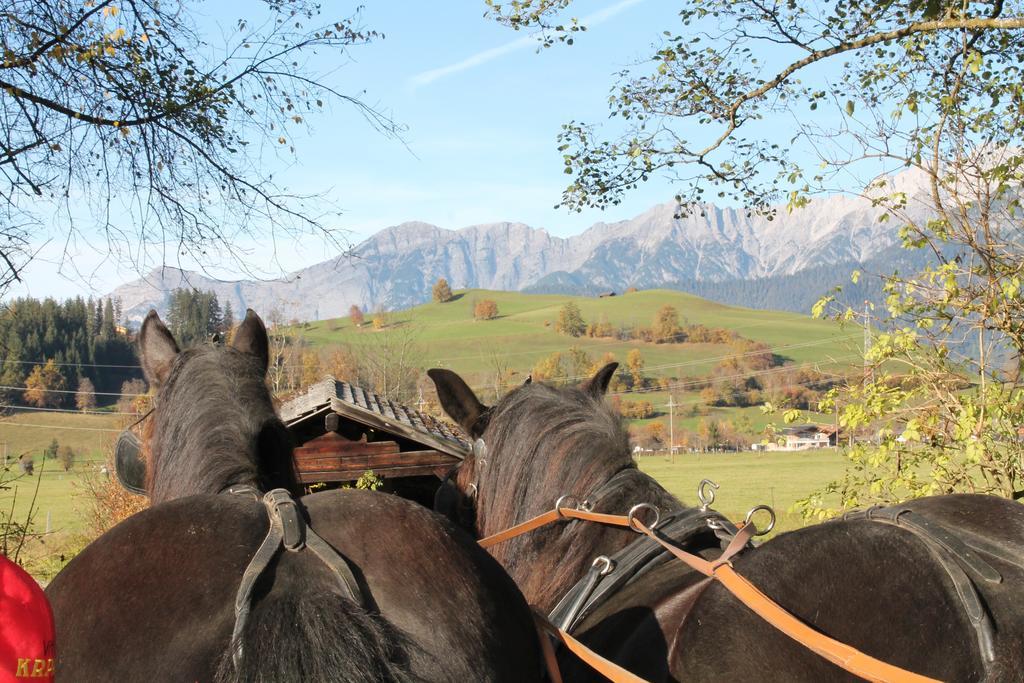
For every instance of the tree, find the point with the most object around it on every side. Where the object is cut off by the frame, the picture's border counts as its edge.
(928, 90)
(485, 309)
(580, 363)
(380, 320)
(442, 292)
(355, 314)
(570, 321)
(227, 323)
(67, 457)
(85, 398)
(52, 450)
(44, 385)
(666, 325)
(550, 369)
(635, 365)
(709, 433)
(163, 131)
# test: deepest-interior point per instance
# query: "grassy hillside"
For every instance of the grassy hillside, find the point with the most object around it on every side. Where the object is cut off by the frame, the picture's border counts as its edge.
(451, 338)
(448, 336)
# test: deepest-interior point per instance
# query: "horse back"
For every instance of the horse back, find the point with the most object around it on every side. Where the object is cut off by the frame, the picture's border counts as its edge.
(871, 585)
(155, 596)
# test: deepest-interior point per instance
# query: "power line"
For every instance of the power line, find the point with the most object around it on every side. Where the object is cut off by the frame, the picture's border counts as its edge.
(70, 410)
(60, 427)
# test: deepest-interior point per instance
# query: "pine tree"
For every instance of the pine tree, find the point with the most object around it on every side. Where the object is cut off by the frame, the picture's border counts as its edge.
(228, 320)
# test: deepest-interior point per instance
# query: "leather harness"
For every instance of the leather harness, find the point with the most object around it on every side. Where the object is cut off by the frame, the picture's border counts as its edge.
(641, 556)
(957, 558)
(288, 529)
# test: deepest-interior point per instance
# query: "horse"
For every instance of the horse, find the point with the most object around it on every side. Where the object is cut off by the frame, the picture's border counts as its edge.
(171, 593)
(933, 586)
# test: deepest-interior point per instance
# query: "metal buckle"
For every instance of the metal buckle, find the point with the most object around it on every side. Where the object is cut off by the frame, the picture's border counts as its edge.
(754, 510)
(631, 517)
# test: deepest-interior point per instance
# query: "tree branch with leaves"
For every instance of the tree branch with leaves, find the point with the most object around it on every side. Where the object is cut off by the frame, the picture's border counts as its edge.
(127, 117)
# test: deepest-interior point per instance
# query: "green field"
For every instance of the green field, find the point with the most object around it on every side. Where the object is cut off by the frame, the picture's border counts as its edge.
(450, 338)
(749, 479)
(446, 335)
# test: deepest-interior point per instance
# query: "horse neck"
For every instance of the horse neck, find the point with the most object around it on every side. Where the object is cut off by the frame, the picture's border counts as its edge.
(547, 562)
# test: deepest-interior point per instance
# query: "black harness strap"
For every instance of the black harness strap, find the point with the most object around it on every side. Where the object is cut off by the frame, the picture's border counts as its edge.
(289, 530)
(955, 557)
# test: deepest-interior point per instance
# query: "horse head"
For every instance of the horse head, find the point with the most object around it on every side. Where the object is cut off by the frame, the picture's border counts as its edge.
(213, 425)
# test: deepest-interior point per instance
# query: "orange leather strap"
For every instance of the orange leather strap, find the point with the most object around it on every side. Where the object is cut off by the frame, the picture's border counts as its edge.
(840, 654)
(610, 670)
(548, 518)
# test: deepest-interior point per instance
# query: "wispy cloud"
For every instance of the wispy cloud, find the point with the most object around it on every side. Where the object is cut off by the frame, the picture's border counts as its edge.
(428, 77)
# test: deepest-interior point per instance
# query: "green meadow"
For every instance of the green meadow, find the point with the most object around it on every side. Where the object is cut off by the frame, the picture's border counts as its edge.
(523, 332)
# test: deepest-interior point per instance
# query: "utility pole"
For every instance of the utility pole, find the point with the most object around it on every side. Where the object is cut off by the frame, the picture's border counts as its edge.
(671, 429)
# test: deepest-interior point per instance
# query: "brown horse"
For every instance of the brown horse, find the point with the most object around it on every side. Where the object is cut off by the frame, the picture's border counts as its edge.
(158, 596)
(934, 586)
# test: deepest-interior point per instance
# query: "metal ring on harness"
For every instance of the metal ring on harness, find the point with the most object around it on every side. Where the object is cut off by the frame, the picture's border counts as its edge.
(605, 563)
(564, 501)
(704, 495)
(632, 519)
(753, 511)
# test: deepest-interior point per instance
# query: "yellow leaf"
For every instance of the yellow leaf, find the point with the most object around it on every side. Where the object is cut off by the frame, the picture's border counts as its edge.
(144, 38)
(110, 50)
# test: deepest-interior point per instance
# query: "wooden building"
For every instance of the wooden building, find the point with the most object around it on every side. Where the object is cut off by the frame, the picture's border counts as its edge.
(341, 431)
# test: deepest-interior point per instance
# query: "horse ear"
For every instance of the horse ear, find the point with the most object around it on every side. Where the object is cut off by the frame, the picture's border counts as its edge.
(598, 384)
(157, 349)
(458, 400)
(251, 338)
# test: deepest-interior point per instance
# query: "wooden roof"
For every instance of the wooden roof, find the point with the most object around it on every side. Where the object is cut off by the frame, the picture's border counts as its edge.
(368, 408)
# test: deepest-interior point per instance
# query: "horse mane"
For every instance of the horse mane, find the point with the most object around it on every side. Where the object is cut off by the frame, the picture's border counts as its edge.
(215, 426)
(544, 443)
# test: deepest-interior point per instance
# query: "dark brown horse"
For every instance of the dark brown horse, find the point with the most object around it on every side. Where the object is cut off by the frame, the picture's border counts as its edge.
(935, 587)
(154, 599)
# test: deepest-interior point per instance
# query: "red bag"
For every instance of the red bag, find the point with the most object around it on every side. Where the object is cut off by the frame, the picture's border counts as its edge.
(26, 627)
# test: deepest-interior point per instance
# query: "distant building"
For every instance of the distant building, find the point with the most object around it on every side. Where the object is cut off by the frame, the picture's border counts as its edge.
(806, 437)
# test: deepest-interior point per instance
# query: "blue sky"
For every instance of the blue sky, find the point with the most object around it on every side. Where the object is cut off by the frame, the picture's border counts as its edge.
(483, 109)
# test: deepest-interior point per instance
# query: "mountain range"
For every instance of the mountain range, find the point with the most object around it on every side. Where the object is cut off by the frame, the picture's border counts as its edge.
(785, 261)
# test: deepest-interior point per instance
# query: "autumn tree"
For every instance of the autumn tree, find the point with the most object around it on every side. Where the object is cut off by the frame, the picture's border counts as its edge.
(655, 434)
(550, 369)
(380, 320)
(635, 365)
(485, 309)
(442, 293)
(570, 320)
(665, 327)
(162, 124)
(44, 386)
(355, 314)
(85, 396)
(580, 363)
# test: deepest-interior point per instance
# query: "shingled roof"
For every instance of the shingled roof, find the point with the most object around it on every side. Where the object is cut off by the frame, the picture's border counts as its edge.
(368, 408)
